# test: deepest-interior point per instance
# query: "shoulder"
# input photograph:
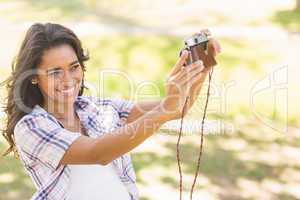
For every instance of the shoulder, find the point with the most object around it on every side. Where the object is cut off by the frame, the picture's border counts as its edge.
(40, 139)
(37, 119)
(29, 121)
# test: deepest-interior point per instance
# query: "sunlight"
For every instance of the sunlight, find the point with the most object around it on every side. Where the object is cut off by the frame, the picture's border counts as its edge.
(7, 178)
(251, 189)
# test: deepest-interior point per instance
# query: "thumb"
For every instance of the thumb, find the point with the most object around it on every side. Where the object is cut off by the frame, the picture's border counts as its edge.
(184, 55)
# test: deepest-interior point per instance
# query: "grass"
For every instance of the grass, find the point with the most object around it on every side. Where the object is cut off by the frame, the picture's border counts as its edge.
(230, 163)
(288, 19)
(14, 182)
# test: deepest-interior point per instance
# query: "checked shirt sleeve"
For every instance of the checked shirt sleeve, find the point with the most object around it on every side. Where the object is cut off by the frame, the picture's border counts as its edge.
(123, 107)
(42, 140)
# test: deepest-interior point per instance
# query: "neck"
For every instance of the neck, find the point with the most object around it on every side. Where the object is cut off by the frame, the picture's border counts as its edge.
(61, 111)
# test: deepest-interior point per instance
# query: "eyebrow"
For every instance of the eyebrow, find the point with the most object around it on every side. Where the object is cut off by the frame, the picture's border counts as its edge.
(57, 68)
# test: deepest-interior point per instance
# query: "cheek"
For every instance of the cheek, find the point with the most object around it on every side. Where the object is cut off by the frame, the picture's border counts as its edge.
(47, 87)
(78, 76)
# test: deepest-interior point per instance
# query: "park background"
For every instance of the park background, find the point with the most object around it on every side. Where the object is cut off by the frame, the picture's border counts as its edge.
(252, 137)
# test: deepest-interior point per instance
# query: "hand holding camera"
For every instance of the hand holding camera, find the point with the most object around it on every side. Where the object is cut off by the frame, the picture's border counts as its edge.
(189, 73)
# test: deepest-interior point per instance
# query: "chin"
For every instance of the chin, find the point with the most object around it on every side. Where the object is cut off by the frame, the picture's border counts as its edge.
(66, 98)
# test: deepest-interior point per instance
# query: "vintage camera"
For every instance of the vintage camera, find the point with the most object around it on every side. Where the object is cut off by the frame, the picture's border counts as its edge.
(200, 49)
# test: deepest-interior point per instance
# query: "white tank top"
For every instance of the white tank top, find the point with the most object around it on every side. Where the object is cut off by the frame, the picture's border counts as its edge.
(95, 182)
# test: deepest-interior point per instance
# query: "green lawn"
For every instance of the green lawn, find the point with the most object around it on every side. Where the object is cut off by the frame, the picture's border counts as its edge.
(288, 19)
(251, 163)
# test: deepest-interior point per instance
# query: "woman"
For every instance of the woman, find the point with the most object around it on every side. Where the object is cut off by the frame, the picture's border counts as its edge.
(74, 146)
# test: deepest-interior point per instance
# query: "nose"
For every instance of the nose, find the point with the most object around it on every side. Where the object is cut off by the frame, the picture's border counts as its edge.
(68, 80)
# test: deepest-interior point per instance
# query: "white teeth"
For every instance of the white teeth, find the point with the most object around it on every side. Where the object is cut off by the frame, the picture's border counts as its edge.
(70, 90)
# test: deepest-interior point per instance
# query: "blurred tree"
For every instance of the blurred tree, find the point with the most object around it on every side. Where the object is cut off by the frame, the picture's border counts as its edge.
(297, 4)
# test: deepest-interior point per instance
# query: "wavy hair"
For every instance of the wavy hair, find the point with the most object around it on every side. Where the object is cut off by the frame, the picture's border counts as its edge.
(20, 90)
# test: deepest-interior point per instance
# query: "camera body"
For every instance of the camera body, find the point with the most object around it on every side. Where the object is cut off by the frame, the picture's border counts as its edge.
(199, 49)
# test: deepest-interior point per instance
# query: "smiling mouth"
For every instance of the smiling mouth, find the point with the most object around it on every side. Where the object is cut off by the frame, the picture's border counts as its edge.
(67, 91)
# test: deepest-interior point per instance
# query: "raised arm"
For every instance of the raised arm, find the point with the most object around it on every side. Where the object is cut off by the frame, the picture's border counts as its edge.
(141, 108)
(105, 149)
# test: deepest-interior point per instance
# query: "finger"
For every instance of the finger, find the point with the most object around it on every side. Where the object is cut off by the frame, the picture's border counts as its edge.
(199, 80)
(180, 62)
(198, 68)
(202, 74)
(196, 82)
(202, 77)
(216, 45)
(189, 70)
(195, 77)
(212, 47)
(178, 88)
(203, 31)
(206, 32)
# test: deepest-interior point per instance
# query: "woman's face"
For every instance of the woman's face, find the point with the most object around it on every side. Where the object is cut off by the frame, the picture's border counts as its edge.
(59, 75)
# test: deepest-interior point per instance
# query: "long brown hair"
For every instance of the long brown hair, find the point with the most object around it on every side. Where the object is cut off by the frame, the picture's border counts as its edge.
(20, 90)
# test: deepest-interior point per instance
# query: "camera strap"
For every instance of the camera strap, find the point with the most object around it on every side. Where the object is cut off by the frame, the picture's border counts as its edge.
(201, 140)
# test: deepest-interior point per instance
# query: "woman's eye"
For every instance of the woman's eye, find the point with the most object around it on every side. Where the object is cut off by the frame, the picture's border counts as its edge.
(54, 73)
(75, 67)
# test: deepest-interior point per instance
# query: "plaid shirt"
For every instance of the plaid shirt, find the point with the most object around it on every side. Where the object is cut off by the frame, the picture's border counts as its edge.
(42, 141)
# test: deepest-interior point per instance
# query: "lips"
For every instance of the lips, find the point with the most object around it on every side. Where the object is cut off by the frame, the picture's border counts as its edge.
(70, 90)
(67, 91)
